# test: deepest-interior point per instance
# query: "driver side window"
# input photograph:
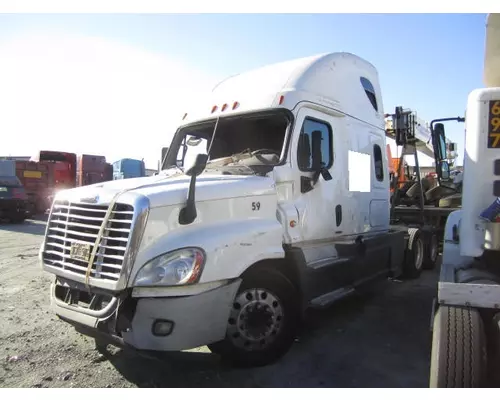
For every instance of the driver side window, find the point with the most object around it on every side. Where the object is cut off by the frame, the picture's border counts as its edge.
(305, 159)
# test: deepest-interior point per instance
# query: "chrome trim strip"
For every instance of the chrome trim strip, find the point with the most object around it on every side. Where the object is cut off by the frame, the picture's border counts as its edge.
(137, 228)
(43, 245)
(138, 223)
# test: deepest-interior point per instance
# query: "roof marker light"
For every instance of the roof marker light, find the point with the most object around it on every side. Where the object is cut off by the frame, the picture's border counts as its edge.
(282, 100)
(224, 107)
(184, 117)
(236, 105)
(214, 109)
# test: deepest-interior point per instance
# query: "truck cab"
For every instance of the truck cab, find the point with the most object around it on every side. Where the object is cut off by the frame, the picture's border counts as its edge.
(128, 168)
(466, 321)
(274, 197)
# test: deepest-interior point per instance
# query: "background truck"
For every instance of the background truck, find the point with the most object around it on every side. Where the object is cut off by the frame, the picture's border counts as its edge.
(128, 168)
(274, 198)
(466, 320)
(13, 199)
(7, 168)
(38, 181)
(91, 169)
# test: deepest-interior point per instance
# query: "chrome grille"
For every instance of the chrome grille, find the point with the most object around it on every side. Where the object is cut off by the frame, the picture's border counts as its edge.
(80, 223)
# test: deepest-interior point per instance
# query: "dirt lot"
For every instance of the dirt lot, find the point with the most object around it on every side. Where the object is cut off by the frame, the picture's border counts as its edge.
(379, 340)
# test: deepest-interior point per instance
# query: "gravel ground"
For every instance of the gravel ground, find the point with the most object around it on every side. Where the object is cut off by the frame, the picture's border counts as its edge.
(380, 339)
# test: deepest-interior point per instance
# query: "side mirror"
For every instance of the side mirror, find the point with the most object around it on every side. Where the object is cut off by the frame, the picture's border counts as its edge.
(444, 170)
(310, 158)
(304, 152)
(198, 166)
(440, 142)
(317, 157)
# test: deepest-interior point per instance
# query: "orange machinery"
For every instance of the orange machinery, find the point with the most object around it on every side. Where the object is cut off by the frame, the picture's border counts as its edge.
(396, 171)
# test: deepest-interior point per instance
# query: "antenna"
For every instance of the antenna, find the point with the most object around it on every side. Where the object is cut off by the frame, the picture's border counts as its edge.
(213, 136)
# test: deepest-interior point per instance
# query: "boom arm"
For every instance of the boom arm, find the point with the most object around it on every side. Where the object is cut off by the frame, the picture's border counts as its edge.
(420, 135)
(491, 69)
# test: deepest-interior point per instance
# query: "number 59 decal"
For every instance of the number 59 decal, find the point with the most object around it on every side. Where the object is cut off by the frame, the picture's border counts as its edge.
(255, 205)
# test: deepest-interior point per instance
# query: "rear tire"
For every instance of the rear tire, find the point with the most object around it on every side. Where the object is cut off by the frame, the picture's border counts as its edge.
(431, 252)
(263, 320)
(414, 254)
(18, 218)
(458, 357)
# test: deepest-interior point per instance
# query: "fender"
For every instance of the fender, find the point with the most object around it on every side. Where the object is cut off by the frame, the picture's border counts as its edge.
(451, 245)
(231, 246)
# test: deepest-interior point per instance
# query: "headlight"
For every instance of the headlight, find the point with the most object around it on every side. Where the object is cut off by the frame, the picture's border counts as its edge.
(179, 267)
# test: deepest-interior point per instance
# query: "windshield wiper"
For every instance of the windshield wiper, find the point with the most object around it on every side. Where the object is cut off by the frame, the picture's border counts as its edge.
(166, 170)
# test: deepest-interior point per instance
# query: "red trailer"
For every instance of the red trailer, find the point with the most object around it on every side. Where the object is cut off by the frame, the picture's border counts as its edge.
(91, 169)
(64, 165)
(61, 169)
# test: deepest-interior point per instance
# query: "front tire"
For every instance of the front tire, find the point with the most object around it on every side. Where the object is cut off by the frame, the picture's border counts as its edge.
(262, 322)
(18, 218)
(458, 357)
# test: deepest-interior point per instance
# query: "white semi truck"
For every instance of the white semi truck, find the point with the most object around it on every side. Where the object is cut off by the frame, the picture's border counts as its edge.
(274, 198)
(466, 320)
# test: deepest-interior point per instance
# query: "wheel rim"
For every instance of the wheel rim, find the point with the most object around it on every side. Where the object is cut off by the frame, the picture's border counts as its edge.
(434, 248)
(419, 253)
(255, 320)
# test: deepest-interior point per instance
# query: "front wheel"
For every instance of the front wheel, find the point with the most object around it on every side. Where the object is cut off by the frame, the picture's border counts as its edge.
(263, 320)
(18, 218)
(458, 357)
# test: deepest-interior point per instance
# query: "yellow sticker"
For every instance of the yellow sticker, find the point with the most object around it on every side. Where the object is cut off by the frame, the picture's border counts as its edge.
(494, 124)
(32, 174)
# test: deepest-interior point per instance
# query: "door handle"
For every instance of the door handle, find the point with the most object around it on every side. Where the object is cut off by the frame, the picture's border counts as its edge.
(338, 214)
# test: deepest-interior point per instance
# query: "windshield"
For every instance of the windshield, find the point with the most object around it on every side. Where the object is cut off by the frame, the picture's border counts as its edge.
(252, 142)
(12, 181)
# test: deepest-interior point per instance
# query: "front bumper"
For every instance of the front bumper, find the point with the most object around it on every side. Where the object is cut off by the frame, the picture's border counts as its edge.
(124, 321)
(11, 207)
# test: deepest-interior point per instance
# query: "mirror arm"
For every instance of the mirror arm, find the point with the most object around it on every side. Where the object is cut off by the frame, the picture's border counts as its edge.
(316, 176)
(188, 213)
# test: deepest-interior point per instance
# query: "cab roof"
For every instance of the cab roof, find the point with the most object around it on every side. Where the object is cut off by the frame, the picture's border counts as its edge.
(342, 81)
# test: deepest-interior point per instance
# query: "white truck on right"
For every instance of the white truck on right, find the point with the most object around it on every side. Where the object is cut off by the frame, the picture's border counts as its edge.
(466, 317)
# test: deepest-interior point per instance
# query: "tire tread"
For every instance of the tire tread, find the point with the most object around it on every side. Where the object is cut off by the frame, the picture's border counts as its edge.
(459, 353)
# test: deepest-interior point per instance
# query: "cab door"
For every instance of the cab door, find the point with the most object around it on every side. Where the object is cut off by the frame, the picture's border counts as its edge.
(321, 199)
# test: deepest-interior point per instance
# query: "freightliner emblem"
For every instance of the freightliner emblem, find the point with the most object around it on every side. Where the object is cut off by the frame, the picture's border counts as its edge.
(93, 200)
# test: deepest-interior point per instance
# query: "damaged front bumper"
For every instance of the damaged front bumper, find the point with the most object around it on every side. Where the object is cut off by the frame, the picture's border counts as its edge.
(161, 323)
